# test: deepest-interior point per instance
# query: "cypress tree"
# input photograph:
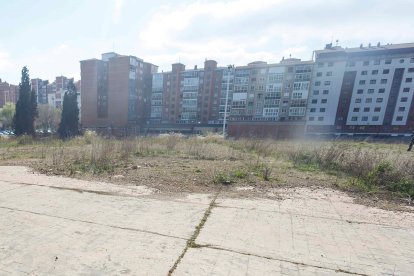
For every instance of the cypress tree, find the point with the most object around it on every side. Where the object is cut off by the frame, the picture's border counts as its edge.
(69, 122)
(26, 107)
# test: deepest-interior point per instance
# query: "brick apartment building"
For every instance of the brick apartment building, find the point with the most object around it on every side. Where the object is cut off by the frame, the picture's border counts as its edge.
(9, 93)
(186, 96)
(368, 89)
(116, 91)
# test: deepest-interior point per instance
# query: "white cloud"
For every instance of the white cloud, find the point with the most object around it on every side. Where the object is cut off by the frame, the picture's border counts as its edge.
(241, 31)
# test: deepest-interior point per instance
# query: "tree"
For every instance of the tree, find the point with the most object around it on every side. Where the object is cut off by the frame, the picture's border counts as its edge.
(69, 122)
(7, 114)
(26, 107)
(48, 118)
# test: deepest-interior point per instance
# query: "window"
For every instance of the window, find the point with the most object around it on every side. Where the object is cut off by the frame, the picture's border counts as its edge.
(354, 119)
(381, 90)
(362, 82)
(388, 61)
(399, 118)
(411, 60)
(377, 109)
(386, 71)
(311, 118)
(319, 74)
(313, 110)
(315, 92)
(364, 73)
(364, 118)
(320, 119)
(374, 72)
(366, 109)
(410, 70)
(377, 62)
(328, 74)
(401, 60)
(383, 81)
(380, 100)
(314, 101)
(322, 109)
(317, 83)
(365, 63)
(368, 100)
(370, 91)
(372, 81)
(327, 83)
(324, 101)
(406, 89)
(330, 64)
(325, 92)
(360, 91)
(401, 109)
(409, 80)
(351, 64)
(404, 99)
(375, 118)
(358, 100)
(320, 64)
(356, 109)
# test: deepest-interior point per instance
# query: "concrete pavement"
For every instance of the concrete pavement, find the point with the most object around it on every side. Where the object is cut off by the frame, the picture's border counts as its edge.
(56, 225)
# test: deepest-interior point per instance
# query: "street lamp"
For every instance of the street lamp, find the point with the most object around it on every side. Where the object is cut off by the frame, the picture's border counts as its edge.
(229, 67)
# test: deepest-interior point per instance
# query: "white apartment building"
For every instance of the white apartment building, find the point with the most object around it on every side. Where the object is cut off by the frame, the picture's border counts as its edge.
(362, 90)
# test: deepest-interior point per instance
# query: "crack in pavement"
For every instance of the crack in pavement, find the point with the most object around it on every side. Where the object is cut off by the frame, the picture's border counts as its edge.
(79, 190)
(279, 259)
(191, 241)
(93, 223)
(318, 217)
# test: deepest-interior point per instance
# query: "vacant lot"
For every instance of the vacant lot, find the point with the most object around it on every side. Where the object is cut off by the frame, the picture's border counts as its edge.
(377, 174)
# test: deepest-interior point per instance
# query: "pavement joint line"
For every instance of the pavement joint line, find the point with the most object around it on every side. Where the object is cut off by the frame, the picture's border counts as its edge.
(281, 260)
(191, 241)
(79, 190)
(319, 217)
(93, 223)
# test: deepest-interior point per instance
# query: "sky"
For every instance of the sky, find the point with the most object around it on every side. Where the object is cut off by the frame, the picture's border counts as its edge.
(51, 37)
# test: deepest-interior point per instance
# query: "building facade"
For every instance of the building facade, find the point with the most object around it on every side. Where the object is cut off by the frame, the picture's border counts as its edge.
(362, 90)
(9, 93)
(270, 92)
(256, 92)
(183, 96)
(116, 91)
(41, 88)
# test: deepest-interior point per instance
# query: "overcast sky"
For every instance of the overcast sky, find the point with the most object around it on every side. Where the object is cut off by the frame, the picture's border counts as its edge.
(51, 37)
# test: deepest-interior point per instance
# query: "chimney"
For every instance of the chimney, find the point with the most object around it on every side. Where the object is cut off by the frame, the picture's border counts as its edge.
(378, 44)
(369, 45)
(361, 46)
(195, 67)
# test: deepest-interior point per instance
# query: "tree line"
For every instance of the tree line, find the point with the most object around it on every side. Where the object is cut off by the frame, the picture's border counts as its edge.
(26, 110)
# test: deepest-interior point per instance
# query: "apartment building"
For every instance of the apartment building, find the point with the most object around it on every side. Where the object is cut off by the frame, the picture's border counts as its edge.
(9, 93)
(256, 92)
(41, 88)
(367, 90)
(183, 96)
(270, 92)
(116, 91)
